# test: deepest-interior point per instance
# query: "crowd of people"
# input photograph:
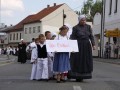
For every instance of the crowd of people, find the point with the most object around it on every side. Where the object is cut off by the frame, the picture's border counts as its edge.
(109, 48)
(9, 50)
(61, 65)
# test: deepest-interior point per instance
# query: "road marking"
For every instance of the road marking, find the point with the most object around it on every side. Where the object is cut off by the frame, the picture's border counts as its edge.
(77, 88)
(5, 64)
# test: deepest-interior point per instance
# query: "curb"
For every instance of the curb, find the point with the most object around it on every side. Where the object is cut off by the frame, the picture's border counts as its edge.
(118, 63)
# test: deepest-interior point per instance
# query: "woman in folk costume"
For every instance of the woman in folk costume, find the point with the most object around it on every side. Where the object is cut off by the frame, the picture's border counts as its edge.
(61, 62)
(82, 61)
(34, 59)
(42, 59)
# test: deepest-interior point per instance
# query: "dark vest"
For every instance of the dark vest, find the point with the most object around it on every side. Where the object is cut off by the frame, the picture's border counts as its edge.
(42, 52)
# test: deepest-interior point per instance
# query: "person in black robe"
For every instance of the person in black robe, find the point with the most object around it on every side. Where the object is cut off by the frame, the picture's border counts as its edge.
(22, 56)
(82, 61)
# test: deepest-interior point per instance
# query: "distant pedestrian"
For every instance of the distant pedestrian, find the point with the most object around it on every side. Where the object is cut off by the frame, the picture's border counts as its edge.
(107, 52)
(22, 56)
(116, 49)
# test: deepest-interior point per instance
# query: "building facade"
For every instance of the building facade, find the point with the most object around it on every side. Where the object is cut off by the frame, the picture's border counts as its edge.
(49, 19)
(111, 26)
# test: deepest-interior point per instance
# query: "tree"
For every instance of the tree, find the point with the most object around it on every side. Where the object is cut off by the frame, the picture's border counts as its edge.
(97, 7)
(90, 8)
(87, 7)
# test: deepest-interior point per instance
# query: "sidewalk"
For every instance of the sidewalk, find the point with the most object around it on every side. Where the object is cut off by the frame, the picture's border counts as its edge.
(112, 61)
(4, 58)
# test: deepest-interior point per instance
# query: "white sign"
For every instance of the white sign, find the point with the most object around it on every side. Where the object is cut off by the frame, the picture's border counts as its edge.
(62, 46)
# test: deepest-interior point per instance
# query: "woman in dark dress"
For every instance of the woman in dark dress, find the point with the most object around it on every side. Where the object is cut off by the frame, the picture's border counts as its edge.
(22, 56)
(82, 61)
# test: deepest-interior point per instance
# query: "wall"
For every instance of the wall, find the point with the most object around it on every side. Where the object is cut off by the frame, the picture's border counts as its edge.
(28, 36)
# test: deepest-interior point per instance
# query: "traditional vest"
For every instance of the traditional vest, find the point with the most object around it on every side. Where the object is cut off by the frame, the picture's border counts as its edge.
(42, 52)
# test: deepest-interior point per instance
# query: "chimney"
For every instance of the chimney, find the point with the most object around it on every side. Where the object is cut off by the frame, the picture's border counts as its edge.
(48, 6)
(54, 4)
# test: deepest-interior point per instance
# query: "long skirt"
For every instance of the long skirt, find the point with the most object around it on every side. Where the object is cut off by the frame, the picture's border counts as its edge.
(81, 62)
(61, 62)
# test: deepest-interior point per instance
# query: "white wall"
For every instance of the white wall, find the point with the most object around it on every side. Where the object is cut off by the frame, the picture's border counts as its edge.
(97, 23)
(114, 16)
(16, 40)
(28, 37)
(56, 18)
(50, 28)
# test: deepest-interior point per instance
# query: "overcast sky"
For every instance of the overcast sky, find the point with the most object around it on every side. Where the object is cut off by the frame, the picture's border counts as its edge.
(13, 11)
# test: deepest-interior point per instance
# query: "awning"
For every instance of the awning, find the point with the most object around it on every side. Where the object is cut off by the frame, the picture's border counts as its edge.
(112, 33)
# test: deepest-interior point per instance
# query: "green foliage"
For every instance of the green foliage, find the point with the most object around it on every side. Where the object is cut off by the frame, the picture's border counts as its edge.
(90, 8)
(97, 7)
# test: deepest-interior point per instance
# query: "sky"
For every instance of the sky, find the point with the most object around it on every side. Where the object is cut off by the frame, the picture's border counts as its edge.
(13, 11)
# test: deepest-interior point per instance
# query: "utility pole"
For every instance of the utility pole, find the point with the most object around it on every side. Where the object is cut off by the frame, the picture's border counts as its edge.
(63, 17)
(102, 29)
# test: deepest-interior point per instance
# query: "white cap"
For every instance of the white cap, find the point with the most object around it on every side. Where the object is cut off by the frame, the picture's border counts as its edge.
(21, 39)
(81, 17)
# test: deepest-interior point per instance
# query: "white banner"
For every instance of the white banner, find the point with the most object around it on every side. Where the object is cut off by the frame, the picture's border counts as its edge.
(62, 46)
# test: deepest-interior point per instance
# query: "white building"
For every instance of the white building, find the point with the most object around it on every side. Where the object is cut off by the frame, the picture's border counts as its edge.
(48, 19)
(4, 32)
(112, 22)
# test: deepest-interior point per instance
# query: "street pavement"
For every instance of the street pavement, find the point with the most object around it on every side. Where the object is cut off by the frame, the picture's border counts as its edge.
(4, 59)
(112, 61)
(15, 76)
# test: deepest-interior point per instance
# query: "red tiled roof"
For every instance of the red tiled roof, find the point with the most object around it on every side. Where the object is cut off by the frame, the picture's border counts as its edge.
(20, 24)
(42, 14)
(36, 17)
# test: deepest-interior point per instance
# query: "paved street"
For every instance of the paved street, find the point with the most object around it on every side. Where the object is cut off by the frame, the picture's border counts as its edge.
(15, 76)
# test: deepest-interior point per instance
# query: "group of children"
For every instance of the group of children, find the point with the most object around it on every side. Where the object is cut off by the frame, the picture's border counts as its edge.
(47, 64)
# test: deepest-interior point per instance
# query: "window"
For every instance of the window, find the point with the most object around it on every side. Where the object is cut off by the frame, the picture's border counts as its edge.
(29, 30)
(25, 30)
(20, 35)
(38, 29)
(10, 36)
(34, 29)
(116, 6)
(110, 8)
(17, 36)
(14, 36)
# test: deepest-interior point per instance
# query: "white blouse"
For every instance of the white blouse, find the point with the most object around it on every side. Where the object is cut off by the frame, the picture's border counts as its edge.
(60, 37)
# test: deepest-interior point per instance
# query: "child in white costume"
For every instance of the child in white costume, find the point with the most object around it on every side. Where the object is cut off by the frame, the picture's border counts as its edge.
(34, 59)
(42, 59)
(50, 64)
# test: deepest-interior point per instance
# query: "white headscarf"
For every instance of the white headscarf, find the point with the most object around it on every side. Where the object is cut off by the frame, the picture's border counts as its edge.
(21, 39)
(81, 17)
